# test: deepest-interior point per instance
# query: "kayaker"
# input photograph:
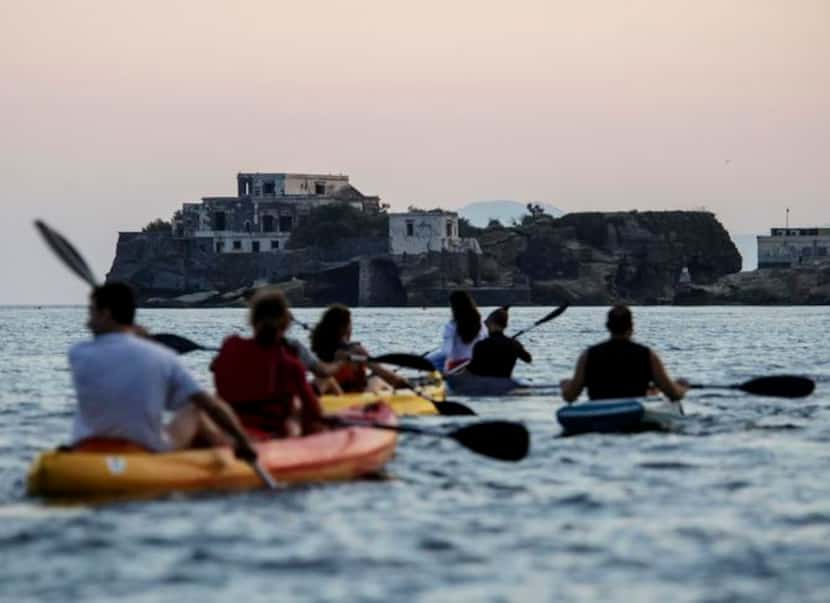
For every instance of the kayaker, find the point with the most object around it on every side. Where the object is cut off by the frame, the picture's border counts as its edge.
(462, 332)
(262, 377)
(331, 341)
(325, 383)
(124, 383)
(496, 355)
(619, 367)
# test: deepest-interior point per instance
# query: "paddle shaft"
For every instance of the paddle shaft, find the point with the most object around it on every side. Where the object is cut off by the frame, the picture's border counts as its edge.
(542, 321)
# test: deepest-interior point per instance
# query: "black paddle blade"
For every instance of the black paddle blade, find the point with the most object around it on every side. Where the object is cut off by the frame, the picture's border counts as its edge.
(405, 360)
(179, 344)
(552, 315)
(66, 252)
(503, 440)
(453, 409)
(782, 386)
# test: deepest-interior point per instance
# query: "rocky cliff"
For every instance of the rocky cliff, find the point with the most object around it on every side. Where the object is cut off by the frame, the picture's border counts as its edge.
(598, 258)
(795, 286)
(584, 258)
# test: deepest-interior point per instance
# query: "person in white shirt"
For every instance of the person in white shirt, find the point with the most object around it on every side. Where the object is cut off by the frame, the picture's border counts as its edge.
(125, 383)
(462, 332)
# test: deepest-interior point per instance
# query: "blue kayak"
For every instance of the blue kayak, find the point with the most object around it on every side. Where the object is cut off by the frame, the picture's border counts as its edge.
(619, 416)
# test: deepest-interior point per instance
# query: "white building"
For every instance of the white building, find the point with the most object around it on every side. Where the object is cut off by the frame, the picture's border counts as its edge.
(788, 247)
(419, 232)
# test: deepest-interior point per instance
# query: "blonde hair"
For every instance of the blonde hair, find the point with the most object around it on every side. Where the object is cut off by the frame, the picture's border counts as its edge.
(269, 308)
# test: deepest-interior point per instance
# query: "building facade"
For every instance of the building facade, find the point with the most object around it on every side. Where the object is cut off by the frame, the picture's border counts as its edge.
(789, 247)
(267, 207)
(420, 232)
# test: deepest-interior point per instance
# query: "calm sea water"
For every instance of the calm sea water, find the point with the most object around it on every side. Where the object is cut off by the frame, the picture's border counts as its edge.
(734, 507)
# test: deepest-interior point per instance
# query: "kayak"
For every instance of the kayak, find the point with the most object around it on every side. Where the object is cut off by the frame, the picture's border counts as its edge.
(402, 401)
(340, 454)
(467, 384)
(620, 416)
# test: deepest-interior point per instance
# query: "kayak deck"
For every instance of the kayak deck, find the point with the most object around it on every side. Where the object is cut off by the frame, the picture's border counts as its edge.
(619, 416)
(340, 454)
(402, 401)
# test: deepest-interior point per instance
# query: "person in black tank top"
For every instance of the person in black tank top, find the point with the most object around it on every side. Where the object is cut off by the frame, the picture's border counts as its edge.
(619, 367)
(496, 355)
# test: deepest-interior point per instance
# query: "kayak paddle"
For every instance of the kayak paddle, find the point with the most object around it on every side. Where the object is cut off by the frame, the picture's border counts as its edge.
(446, 408)
(543, 320)
(502, 440)
(179, 344)
(76, 263)
(780, 386)
(66, 252)
(183, 345)
(412, 361)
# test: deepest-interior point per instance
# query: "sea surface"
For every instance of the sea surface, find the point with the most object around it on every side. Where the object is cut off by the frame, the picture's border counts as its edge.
(735, 506)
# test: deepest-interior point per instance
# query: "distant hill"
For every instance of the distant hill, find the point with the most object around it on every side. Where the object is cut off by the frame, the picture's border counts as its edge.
(481, 212)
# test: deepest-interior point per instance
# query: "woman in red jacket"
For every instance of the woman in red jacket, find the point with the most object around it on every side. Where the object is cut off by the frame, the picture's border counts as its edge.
(263, 379)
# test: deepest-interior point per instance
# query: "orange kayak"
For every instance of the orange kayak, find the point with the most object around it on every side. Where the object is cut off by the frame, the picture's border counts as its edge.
(340, 454)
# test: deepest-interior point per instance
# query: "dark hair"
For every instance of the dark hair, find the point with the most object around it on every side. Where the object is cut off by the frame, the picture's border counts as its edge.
(118, 298)
(268, 308)
(329, 332)
(619, 320)
(498, 317)
(466, 316)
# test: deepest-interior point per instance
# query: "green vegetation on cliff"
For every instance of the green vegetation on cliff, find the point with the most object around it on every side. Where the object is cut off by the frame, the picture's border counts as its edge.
(329, 224)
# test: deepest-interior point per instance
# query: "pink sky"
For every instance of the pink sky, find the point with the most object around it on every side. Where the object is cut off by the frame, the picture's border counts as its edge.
(114, 113)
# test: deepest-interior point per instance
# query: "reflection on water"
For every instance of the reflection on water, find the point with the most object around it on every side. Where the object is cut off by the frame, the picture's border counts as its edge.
(733, 507)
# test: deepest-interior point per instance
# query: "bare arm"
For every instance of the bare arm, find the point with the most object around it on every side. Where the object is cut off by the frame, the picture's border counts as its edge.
(522, 353)
(388, 376)
(673, 389)
(325, 369)
(224, 417)
(571, 388)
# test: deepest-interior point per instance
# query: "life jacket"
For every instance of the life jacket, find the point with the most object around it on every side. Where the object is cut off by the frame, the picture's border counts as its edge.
(262, 385)
(352, 377)
(618, 368)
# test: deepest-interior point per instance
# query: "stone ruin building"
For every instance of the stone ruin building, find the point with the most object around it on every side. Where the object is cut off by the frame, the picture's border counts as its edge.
(266, 208)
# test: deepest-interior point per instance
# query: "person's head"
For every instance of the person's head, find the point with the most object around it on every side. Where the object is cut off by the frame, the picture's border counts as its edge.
(111, 308)
(619, 322)
(333, 330)
(497, 320)
(466, 316)
(270, 316)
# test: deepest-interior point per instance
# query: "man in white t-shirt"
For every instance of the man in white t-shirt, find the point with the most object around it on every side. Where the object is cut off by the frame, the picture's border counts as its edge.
(124, 383)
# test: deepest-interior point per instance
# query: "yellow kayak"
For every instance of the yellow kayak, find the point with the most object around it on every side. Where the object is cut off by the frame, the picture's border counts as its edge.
(402, 401)
(340, 454)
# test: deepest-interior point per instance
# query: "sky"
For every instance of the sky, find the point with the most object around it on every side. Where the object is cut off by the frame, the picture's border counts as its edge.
(114, 113)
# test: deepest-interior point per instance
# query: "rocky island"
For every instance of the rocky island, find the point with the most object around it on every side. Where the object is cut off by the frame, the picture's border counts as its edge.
(321, 240)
